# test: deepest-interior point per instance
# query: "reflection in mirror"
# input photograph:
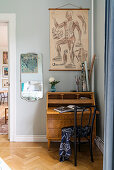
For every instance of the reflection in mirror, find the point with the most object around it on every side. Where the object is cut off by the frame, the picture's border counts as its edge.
(31, 77)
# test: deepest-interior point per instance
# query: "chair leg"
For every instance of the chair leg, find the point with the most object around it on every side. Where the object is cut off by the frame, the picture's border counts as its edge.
(91, 152)
(79, 143)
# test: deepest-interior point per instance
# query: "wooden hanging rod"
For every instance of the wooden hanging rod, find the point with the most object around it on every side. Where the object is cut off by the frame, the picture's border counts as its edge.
(63, 70)
(66, 70)
(68, 9)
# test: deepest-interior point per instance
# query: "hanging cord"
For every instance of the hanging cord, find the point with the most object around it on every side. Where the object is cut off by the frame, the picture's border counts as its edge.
(70, 5)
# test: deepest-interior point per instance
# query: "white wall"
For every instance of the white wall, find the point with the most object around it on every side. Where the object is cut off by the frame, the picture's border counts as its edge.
(4, 35)
(99, 65)
(33, 36)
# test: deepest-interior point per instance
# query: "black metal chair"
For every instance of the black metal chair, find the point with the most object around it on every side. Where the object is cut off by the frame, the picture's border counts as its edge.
(86, 130)
(81, 131)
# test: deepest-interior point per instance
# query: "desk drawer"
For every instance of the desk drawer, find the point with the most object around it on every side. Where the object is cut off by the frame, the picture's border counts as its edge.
(61, 117)
(64, 121)
(56, 122)
(54, 133)
(59, 123)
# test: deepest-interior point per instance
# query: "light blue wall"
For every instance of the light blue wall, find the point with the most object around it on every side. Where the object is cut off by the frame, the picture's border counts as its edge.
(99, 64)
(33, 36)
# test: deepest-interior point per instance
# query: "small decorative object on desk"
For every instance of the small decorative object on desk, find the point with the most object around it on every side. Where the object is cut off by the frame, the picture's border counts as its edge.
(77, 79)
(84, 87)
(86, 72)
(53, 82)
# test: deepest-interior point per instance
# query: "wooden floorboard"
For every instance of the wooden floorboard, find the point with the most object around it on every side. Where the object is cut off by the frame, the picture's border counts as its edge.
(35, 156)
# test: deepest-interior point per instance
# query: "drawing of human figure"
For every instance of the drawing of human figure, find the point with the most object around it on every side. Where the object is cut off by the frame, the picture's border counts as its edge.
(69, 36)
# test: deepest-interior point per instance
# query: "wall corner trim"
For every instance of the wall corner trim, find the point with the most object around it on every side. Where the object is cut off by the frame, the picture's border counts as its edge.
(100, 143)
(30, 138)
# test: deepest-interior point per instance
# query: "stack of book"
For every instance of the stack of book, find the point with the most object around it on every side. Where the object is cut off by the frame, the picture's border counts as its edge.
(69, 108)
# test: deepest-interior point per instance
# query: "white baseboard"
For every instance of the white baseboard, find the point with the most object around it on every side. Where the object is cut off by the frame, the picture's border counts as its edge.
(100, 143)
(30, 138)
(42, 138)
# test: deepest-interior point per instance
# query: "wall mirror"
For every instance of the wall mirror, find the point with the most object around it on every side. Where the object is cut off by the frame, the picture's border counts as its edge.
(31, 77)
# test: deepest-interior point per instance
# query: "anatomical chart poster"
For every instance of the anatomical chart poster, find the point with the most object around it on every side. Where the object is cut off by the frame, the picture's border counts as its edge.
(68, 38)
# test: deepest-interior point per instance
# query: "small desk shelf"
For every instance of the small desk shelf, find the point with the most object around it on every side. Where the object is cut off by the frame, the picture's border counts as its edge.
(56, 121)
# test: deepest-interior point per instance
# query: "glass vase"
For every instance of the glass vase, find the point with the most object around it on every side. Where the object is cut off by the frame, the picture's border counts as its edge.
(53, 88)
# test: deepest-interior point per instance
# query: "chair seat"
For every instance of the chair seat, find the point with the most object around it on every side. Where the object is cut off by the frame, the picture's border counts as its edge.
(80, 131)
(83, 131)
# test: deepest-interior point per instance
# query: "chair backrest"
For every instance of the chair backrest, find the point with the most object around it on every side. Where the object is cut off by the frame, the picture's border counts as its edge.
(91, 114)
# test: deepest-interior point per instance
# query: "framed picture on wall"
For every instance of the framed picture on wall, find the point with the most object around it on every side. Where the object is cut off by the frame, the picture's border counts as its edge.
(68, 39)
(5, 71)
(5, 57)
(4, 83)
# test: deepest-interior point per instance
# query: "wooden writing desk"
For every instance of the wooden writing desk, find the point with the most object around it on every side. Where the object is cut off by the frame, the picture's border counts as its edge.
(56, 121)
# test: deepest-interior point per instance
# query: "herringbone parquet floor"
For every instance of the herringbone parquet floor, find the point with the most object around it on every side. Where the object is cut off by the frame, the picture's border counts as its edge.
(35, 156)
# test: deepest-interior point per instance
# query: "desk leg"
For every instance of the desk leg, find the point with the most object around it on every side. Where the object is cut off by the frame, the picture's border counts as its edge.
(49, 144)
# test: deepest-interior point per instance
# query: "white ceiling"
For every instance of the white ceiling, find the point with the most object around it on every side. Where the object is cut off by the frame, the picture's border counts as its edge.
(4, 35)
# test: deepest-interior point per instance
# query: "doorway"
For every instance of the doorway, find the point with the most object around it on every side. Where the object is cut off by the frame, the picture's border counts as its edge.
(10, 19)
(3, 78)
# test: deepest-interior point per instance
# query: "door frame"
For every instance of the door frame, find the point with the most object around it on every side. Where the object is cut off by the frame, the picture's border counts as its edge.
(11, 20)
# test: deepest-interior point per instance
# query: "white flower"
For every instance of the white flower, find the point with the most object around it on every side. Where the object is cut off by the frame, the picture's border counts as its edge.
(51, 79)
